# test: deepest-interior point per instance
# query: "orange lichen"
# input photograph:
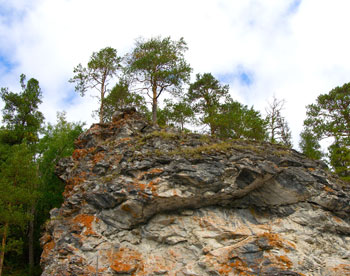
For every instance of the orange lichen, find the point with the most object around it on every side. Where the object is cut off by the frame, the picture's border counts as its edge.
(338, 220)
(122, 140)
(285, 261)
(228, 267)
(342, 268)
(328, 189)
(141, 186)
(126, 260)
(80, 153)
(92, 270)
(86, 221)
(72, 182)
(98, 157)
(153, 172)
(273, 239)
(47, 249)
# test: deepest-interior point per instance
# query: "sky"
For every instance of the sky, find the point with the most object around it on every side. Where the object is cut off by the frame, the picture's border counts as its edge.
(293, 50)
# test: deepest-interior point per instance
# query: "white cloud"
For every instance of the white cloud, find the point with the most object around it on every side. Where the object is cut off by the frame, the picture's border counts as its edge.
(292, 49)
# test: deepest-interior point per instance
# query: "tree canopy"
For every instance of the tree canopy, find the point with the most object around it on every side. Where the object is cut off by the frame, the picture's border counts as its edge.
(21, 113)
(206, 95)
(120, 98)
(158, 65)
(101, 68)
(237, 121)
(329, 117)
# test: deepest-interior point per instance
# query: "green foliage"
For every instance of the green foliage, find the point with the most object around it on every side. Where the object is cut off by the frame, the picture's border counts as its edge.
(329, 117)
(205, 96)
(177, 114)
(120, 97)
(20, 114)
(158, 65)
(18, 182)
(310, 145)
(237, 121)
(101, 68)
(339, 156)
(57, 142)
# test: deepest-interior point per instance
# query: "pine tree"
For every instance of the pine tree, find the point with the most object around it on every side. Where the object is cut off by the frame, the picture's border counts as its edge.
(158, 65)
(329, 117)
(206, 95)
(101, 68)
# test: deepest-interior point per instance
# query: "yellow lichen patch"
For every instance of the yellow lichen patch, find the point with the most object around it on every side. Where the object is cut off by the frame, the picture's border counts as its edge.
(127, 261)
(86, 221)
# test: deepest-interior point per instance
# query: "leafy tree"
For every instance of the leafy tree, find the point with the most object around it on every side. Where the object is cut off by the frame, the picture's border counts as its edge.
(310, 145)
(277, 125)
(329, 117)
(205, 95)
(120, 98)
(101, 68)
(18, 180)
(20, 114)
(238, 121)
(57, 142)
(158, 65)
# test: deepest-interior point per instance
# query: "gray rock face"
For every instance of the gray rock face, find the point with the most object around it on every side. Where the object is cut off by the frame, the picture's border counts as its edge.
(145, 201)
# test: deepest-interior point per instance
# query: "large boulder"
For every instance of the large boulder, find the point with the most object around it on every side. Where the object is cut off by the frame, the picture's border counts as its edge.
(140, 200)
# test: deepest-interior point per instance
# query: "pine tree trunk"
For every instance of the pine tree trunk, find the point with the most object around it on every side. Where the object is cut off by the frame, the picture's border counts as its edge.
(102, 106)
(3, 247)
(31, 241)
(154, 106)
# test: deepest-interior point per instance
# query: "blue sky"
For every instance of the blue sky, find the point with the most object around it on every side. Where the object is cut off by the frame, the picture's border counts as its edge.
(293, 49)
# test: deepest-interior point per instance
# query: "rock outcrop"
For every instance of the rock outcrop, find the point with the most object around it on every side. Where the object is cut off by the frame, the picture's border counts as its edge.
(140, 200)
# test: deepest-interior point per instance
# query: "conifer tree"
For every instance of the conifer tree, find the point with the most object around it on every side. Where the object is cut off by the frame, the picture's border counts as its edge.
(329, 117)
(120, 98)
(206, 95)
(101, 68)
(158, 65)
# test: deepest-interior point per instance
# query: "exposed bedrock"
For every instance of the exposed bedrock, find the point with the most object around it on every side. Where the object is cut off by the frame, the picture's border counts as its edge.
(140, 200)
